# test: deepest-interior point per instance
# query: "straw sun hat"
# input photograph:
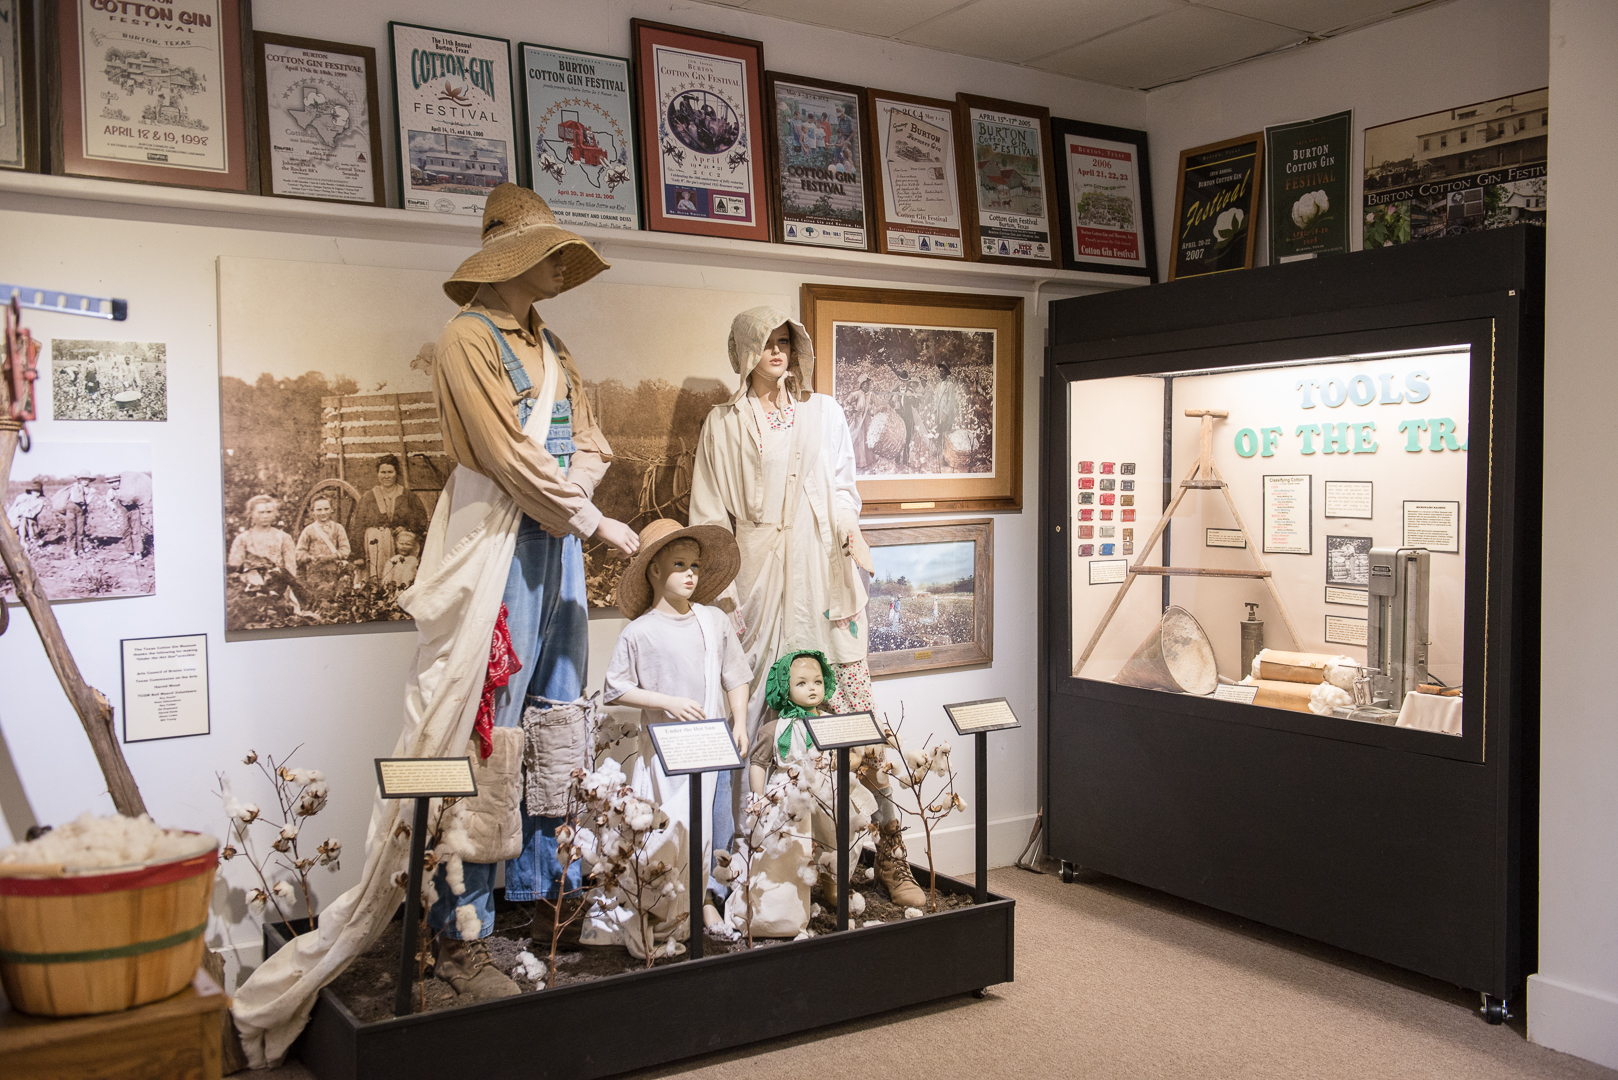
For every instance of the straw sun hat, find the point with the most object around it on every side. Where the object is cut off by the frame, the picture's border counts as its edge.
(721, 559)
(519, 232)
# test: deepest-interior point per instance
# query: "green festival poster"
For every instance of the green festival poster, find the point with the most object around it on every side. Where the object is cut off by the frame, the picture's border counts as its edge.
(1308, 165)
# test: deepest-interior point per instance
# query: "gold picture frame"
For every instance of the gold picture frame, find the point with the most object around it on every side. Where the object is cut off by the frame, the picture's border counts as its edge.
(932, 599)
(932, 386)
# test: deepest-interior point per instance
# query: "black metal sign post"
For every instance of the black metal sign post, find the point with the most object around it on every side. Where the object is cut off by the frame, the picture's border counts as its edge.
(691, 749)
(420, 779)
(977, 719)
(842, 732)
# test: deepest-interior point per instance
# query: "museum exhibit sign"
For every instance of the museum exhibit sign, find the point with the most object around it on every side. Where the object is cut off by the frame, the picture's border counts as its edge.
(1291, 578)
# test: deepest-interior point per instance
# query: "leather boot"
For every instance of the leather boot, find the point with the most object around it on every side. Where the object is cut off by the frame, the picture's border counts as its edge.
(827, 887)
(893, 868)
(467, 966)
(545, 921)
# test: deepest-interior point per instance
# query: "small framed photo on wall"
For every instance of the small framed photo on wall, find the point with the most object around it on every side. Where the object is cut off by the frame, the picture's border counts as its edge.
(153, 95)
(932, 595)
(1104, 198)
(820, 181)
(700, 98)
(1009, 211)
(1215, 201)
(318, 135)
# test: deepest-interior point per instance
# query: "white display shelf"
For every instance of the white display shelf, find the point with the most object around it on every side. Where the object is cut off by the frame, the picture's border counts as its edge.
(149, 202)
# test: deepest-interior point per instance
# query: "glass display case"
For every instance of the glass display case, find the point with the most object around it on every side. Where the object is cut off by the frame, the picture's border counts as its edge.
(1287, 535)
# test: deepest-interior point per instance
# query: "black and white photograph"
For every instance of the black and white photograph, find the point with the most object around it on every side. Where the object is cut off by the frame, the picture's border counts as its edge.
(84, 514)
(330, 473)
(109, 380)
(919, 399)
(1348, 561)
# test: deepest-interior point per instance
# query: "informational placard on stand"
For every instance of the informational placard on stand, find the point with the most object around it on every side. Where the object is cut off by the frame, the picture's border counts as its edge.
(695, 746)
(1242, 695)
(426, 778)
(976, 717)
(165, 687)
(1288, 517)
(844, 730)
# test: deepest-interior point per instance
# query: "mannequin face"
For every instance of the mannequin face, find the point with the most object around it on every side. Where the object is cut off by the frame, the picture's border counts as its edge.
(777, 355)
(806, 685)
(545, 278)
(676, 570)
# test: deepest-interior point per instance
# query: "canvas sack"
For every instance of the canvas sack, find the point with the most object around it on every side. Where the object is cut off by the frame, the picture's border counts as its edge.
(557, 740)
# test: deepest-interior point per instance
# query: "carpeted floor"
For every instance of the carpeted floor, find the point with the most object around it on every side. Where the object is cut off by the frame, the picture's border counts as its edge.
(1114, 980)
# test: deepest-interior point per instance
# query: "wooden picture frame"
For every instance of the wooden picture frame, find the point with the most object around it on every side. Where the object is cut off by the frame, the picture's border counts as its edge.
(1000, 226)
(19, 151)
(907, 633)
(939, 235)
(1201, 245)
(701, 118)
(456, 161)
(821, 230)
(315, 134)
(216, 149)
(1116, 166)
(950, 438)
(585, 130)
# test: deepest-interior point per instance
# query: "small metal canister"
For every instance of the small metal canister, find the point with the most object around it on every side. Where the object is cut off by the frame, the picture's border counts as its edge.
(1252, 639)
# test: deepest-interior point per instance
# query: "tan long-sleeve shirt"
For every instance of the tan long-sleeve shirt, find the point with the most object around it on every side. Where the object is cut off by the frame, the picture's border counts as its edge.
(477, 409)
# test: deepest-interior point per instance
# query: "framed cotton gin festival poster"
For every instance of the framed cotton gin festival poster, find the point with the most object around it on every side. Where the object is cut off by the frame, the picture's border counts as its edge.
(700, 98)
(1010, 213)
(1214, 204)
(318, 136)
(1104, 198)
(819, 183)
(915, 160)
(152, 92)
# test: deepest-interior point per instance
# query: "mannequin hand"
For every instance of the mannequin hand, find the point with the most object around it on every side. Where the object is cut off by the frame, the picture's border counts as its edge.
(618, 536)
(684, 709)
(738, 733)
(856, 546)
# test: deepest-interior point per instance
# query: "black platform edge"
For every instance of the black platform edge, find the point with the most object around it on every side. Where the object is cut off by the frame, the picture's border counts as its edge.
(676, 1011)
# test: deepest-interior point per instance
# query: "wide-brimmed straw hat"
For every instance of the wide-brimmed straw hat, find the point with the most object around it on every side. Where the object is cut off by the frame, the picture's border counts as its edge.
(519, 232)
(721, 559)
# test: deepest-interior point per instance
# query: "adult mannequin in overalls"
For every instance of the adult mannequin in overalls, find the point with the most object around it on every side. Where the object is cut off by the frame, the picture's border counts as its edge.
(496, 363)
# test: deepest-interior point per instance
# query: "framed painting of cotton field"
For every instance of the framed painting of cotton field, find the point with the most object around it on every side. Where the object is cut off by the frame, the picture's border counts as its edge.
(932, 387)
(932, 596)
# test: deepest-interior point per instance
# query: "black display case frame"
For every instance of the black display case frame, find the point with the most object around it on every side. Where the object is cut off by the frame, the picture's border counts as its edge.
(1410, 847)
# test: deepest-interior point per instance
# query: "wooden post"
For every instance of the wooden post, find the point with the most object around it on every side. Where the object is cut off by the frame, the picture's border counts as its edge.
(95, 711)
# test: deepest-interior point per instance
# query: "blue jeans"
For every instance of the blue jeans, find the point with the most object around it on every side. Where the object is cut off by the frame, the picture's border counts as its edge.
(724, 827)
(548, 615)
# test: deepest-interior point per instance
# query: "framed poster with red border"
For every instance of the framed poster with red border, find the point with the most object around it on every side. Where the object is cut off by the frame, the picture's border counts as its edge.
(1104, 198)
(920, 180)
(1010, 212)
(703, 153)
(820, 178)
(158, 97)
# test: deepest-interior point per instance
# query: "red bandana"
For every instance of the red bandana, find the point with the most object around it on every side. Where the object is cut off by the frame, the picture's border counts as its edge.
(503, 664)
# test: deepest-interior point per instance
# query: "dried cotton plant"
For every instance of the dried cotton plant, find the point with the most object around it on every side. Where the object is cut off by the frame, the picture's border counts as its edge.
(929, 761)
(300, 794)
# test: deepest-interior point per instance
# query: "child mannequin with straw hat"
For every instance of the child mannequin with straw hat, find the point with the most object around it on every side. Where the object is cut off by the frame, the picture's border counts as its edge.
(678, 659)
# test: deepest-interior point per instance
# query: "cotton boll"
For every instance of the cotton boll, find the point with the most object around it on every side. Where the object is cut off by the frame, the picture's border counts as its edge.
(1262, 653)
(1341, 672)
(803, 935)
(912, 913)
(530, 967)
(282, 890)
(941, 759)
(808, 875)
(257, 900)
(1325, 697)
(429, 892)
(467, 923)
(856, 903)
(455, 874)
(815, 911)
(917, 760)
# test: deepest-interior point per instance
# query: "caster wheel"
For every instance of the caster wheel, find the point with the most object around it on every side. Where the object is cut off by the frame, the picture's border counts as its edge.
(1494, 1010)
(1067, 873)
(980, 994)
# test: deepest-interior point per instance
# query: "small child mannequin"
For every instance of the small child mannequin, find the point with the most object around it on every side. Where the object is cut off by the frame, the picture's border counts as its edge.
(805, 692)
(678, 660)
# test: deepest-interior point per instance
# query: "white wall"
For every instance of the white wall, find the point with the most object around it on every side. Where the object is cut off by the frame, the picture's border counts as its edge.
(1436, 58)
(338, 693)
(1573, 1001)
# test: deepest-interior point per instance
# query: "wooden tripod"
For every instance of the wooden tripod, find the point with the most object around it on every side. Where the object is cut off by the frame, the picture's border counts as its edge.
(95, 711)
(1203, 476)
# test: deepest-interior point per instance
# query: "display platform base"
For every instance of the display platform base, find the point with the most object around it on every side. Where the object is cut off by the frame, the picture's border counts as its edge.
(678, 1010)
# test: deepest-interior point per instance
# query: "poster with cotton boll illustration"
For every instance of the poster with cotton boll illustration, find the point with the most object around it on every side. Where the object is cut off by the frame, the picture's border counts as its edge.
(1214, 205)
(1308, 185)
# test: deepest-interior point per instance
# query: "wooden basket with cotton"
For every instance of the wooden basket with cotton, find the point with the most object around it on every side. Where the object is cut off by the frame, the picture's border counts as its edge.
(74, 943)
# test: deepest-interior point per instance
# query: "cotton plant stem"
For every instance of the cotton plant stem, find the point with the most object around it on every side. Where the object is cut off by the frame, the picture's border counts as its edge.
(94, 710)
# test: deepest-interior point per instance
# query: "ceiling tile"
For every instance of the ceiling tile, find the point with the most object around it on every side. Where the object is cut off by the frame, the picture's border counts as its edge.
(1168, 47)
(1311, 16)
(1018, 30)
(884, 18)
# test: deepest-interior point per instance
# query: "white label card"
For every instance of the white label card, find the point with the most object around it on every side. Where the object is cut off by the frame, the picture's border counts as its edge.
(1345, 631)
(694, 746)
(165, 687)
(1288, 529)
(1435, 526)
(1224, 538)
(1350, 597)
(1348, 499)
(1108, 571)
(1243, 695)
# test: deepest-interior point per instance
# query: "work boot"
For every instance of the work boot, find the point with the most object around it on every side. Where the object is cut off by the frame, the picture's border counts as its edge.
(467, 966)
(827, 887)
(893, 868)
(545, 921)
